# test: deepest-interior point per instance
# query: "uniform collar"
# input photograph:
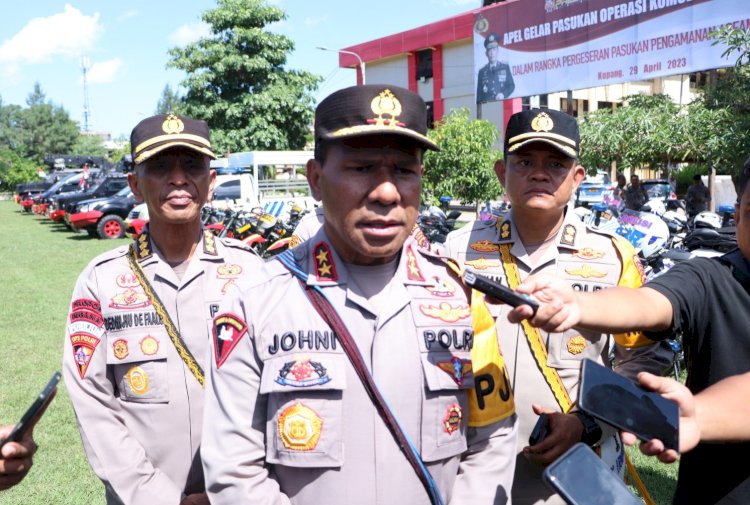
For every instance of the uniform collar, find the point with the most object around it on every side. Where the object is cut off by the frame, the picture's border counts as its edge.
(568, 236)
(325, 267)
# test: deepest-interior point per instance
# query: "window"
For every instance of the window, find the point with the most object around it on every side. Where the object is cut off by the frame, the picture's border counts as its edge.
(230, 190)
(430, 114)
(571, 107)
(535, 102)
(424, 64)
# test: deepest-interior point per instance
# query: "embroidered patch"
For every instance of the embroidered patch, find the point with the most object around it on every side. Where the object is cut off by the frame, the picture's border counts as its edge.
(452, 419)
(129, 298)
(299, 428)
(304, 373)
(457, 368)
(324, 267)
(229, 271)
(576, 344)
(149, 345)
(137, 380)
(94, 318)
(228, 330)
(588, 253)
(120, 348)
(483, 263)
(295, 241)
(446, 312)
(84, 346)
(413, 272)
(442, 289)
(420, 238)
(484, 246)
(568, 235)
(86, 304)
(586, 271)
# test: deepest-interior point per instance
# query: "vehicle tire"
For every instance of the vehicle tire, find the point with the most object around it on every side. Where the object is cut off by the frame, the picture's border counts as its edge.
(92, 231)
(111, 226)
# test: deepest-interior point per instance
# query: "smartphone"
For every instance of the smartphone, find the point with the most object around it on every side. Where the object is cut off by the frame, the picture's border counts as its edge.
(34, 412)
(615, 400)
(540, 431)
(497, 290)
(580, 477)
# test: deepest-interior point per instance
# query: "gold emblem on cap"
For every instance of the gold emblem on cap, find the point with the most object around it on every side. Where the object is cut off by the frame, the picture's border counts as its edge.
(576, 344)
(172, 125)
(386, 103)
(299, 428)
(542, 123)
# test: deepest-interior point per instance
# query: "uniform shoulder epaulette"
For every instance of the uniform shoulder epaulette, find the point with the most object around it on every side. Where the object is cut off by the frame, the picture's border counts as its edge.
(112, 254)
(476, 226)
(236, 244)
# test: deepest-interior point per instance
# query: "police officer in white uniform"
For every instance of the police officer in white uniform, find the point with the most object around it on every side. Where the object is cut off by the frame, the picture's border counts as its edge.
(139, 325)
(290, 415)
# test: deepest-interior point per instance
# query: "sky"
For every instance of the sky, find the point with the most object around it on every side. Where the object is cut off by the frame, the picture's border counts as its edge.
(124, 46)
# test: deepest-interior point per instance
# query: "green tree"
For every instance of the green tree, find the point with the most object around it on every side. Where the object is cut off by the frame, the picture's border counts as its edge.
(737, 40)
(237, 80)
(170, 101)
(645, 131)
(89, 145)
(44, 128)
(463, 168)
(14, 170)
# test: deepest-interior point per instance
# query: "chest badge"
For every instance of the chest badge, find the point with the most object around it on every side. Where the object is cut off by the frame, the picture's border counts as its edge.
(457, 368)
(586, 271)
(442, 289)
(302, 373)
(300, 427)
(588, 253)
(132, 296)
(149, 345)
(568, 235)
(120, 348)
(576, 344)
(483, 263)
(137, 380)
(452, 419)
(446, 312)
(484, 246)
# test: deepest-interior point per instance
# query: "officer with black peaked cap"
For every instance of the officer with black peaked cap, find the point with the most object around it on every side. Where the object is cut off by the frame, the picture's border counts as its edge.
(293, 414)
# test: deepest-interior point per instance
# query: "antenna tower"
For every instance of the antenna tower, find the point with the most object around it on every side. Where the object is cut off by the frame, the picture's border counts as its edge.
(85, 65)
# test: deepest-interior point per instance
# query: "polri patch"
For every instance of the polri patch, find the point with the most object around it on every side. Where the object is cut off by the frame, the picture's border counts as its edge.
(302, 373)
(84, 346)
(228, 330)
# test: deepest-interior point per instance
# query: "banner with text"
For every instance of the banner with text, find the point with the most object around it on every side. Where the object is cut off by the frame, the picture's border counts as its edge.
(532, 47)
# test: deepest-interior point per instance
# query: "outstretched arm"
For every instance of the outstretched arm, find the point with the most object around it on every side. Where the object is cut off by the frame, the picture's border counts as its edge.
(612, 310)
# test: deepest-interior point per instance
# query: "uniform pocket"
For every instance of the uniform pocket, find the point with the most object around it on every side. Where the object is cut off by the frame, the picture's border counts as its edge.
(445, 405)
(567, 350)
(305, 409)
(140, 370)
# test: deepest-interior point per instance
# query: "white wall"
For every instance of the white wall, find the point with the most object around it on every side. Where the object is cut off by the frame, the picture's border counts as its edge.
(393, 71)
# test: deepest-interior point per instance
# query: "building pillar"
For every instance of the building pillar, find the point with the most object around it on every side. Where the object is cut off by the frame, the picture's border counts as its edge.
(411, 61)
(438, 106)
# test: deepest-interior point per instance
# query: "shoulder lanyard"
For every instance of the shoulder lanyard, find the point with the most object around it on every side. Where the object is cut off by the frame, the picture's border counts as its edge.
(326, 310)
(174, 335)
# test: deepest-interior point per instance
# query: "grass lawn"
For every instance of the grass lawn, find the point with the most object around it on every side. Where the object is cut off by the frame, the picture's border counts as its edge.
(40, 262)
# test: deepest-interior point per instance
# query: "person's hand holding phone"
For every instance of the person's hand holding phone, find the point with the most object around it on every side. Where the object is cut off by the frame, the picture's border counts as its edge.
(563, 431)
(690, 431)
(15, 458)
